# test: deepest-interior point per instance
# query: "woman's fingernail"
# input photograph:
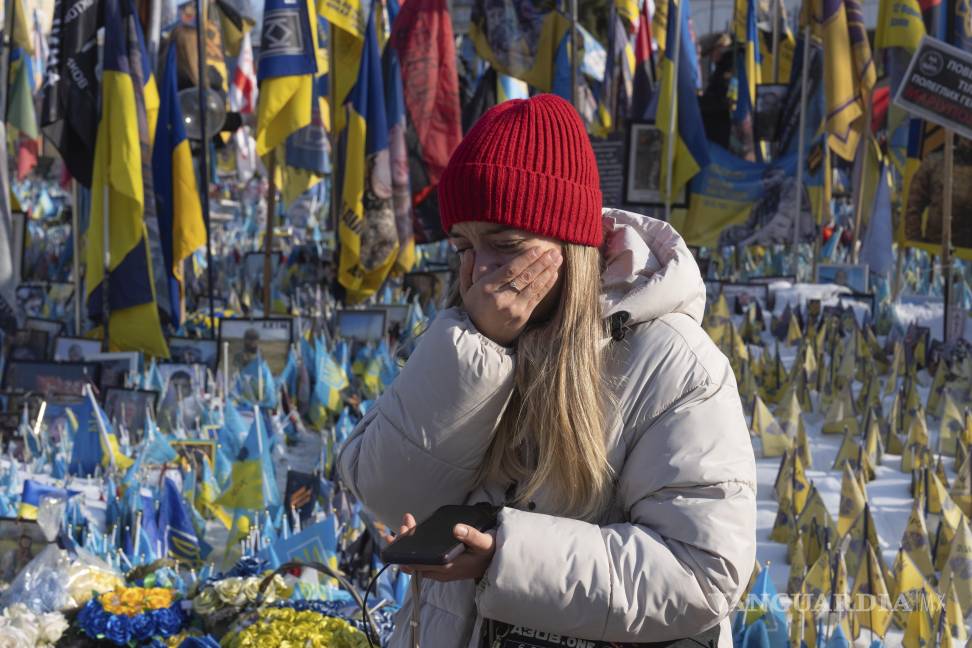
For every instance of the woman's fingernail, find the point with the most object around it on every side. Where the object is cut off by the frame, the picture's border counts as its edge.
(534, 253)
(462, 531)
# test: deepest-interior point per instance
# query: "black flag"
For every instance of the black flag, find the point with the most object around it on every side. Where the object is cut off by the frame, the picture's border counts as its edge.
(69, 105)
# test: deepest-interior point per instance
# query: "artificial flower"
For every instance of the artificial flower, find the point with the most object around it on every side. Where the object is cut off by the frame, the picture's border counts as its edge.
(118, 630)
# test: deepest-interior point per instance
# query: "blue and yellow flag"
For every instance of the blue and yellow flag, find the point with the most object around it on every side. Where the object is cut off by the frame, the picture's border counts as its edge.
(748, 66)
(368, 236)
(34, 492)
(521, 39)
(849, 72)
(288, 65)
(178, 534)
(252, 482)
(181, 227)
(678, 95)
(117, 178)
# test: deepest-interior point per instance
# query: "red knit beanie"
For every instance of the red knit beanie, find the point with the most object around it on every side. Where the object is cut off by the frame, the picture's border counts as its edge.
(527, 163)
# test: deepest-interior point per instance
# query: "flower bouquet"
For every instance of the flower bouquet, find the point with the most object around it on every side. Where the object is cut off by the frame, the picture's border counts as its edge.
(132, 616)
(282, 626)
(220, 602)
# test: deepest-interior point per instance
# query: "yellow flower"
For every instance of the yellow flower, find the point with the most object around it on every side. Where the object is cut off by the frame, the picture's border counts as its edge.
(230, 591)
(132, 596)
(157, 598)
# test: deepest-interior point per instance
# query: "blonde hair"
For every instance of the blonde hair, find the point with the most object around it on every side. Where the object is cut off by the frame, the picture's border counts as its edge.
(552, 433)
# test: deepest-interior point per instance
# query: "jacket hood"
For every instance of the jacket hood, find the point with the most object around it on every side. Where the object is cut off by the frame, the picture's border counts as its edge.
(648, 270)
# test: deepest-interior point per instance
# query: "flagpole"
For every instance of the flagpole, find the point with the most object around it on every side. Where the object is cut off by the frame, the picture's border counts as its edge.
(861, 177)
(105, 281)
(268, 237)
(76, 261)
(332, 106)
(947, 227)
(154, 32)
(801, 148)
(776, 40)
(671, 134)
(5, 47)
(204, 153)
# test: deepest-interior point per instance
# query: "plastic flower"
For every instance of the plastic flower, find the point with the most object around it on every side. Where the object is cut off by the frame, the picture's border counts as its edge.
(132, 597)
(230, 591)
(118, 630)
(157, 598)
(143, 627)
(168, 620)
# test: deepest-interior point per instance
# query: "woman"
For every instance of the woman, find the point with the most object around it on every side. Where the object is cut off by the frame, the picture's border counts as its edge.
(572, 384)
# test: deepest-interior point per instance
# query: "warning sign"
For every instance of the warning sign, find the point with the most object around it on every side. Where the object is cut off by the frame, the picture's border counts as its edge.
(938, 86)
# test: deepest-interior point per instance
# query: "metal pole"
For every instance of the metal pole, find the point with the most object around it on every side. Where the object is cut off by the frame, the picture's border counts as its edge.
(776, 40)
(801, 146)
(574, 55)
(204, 154)
(332, 96)
(8, 9)
(862, 175)
(76, 261)
(154, 32)
(947, 226)
(670, 134)
(105, 282)
(268, 237)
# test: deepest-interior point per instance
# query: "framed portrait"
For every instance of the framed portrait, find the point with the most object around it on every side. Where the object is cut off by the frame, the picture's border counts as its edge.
(26, 344)
(193, 451)
(770, 98)
(131, 409)
(395, 315)
(361, 325)
(740, 295)
(31, 299)
(194, 350)
(184, 379)
(646, 155)
(52, 328)
(75, 349)
(429, 287)
(852, 276)
(116, 367)
(20, 541)
(269, 337)
(50, 378)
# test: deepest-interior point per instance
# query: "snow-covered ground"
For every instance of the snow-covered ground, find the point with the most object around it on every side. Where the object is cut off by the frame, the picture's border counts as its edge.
(888, 494)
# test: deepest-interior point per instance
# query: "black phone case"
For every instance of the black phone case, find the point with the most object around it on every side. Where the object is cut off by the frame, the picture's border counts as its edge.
(432, 542)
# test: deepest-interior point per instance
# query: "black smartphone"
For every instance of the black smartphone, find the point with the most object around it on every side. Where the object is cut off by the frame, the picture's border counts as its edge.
(432, 541)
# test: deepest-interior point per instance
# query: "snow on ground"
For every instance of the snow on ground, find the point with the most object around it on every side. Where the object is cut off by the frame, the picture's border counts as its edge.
(888, 494)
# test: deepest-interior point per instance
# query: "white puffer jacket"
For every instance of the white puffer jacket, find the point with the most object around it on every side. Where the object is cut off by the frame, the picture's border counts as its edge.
(672, 557)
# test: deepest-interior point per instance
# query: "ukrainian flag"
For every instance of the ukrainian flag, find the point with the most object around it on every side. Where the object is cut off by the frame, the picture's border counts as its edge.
(252, 482)
(33, 493)
(117, 180)
(747, 66)
(288, 65)
(849, 73)
(678, 95)
(363, 271)
(181, 227)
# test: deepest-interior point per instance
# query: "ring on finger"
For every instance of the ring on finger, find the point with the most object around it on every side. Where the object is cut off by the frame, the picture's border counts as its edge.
(512, 285)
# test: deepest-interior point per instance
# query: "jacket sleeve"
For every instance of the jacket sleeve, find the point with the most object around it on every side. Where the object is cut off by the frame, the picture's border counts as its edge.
(421, 444)
(675, 569)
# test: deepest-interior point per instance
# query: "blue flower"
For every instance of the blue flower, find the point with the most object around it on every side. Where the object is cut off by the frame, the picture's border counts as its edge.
(97, 622)
(143, 627)
(118, 630)
(168, 621)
